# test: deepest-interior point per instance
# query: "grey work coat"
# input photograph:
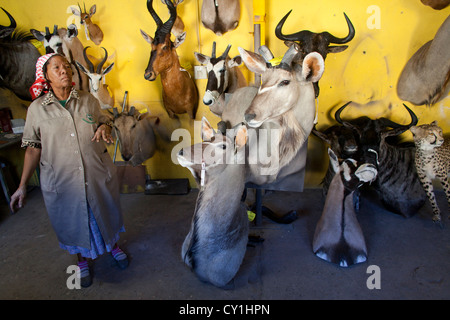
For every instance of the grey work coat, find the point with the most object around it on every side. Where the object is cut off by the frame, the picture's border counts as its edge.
(74, 170)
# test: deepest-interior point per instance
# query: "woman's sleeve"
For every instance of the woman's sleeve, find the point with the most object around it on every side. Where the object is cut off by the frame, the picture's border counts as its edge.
(31, 133)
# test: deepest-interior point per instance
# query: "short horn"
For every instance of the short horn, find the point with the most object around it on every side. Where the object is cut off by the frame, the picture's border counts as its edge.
(89, 63)
(55, 29)
(265, 52)
(289, 55)
(213, 53)
(351, 33)
(225, 54)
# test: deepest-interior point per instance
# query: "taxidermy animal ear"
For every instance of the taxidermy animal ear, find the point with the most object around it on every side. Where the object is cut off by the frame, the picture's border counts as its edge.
(201, 58)
(180, 39)
(235, 62)
(146, 37)
(313, 67)
(254, 62)
(241, 136)
(333, 160)
(207, 130)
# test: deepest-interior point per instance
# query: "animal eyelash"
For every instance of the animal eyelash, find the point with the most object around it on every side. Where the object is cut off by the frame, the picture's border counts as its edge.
(284, 83)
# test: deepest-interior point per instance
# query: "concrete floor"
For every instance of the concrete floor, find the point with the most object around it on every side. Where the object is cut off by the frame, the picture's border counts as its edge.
(413, 255)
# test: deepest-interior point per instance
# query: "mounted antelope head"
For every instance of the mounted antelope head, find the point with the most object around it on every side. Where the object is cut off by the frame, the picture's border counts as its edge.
(315, 42)
(216, 243)
(283, 87)
(224, 76)
(97, 88)
(65, 41)
(94, 31)
(221, 16)
(179, 91)
(136, 136)
(425, 79)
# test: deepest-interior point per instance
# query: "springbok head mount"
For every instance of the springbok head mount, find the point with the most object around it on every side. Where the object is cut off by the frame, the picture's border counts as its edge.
(283, 86)
(95, 76)
(6, 31)
(163, 49)
(84, 16)
(218, 74)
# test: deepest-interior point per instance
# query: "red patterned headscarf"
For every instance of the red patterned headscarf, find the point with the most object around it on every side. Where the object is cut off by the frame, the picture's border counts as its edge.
(41, 84)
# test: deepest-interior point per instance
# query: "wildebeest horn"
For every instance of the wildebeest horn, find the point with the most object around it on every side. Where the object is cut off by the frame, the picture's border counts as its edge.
(337, 115)
(298, 36)
(153, 13)
(225, 54)
(100, 65)
(89, 63)
(213, 53)
(351, 33)
(13, 23)
(398, 128)
(301, 35)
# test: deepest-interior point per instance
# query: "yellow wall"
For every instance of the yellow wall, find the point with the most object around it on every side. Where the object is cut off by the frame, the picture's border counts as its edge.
(365, 73)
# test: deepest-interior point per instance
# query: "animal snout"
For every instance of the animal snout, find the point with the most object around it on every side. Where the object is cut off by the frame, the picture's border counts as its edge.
(149, 75)
(126, 157)
(180, 153)
(250, 117)
(207, 102)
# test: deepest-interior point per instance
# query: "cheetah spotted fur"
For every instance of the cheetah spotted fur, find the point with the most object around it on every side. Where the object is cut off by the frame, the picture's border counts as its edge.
(432, 161)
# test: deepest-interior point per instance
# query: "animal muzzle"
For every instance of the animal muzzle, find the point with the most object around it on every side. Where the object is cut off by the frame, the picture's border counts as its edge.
(150, 75)
(210, 97)
(366, 172)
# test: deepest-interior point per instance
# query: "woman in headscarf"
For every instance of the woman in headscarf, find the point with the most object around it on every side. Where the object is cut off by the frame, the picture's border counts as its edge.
(65, 131)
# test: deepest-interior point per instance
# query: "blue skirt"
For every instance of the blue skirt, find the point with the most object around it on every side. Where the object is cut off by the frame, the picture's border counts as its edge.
(98, 245)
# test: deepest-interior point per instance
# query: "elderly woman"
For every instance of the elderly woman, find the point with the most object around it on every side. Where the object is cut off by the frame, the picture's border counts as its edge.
(63, 132)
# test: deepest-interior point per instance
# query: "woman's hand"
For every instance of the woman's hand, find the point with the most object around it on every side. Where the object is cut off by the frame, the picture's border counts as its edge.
(103, 132)
(18, 198)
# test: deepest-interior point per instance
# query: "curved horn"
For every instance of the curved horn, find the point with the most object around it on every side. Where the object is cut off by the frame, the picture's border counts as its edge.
(167, 26)
(89, 63)
(213, 53)
(298, 36)
(351, 33)
(100, 65)
(337, 115)
(153, 13)
(13, 23)
(398, 128)
(225, 54)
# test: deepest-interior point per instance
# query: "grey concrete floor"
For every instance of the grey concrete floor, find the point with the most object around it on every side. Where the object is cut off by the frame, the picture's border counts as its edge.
(413, 255)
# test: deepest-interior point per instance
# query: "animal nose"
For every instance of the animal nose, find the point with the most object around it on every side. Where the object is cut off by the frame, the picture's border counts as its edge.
(149, 75)
(180, 153)
(250, 116)
(207, 102)
(126, 157)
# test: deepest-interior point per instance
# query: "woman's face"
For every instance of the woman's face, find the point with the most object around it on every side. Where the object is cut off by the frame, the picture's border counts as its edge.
(59, 72)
